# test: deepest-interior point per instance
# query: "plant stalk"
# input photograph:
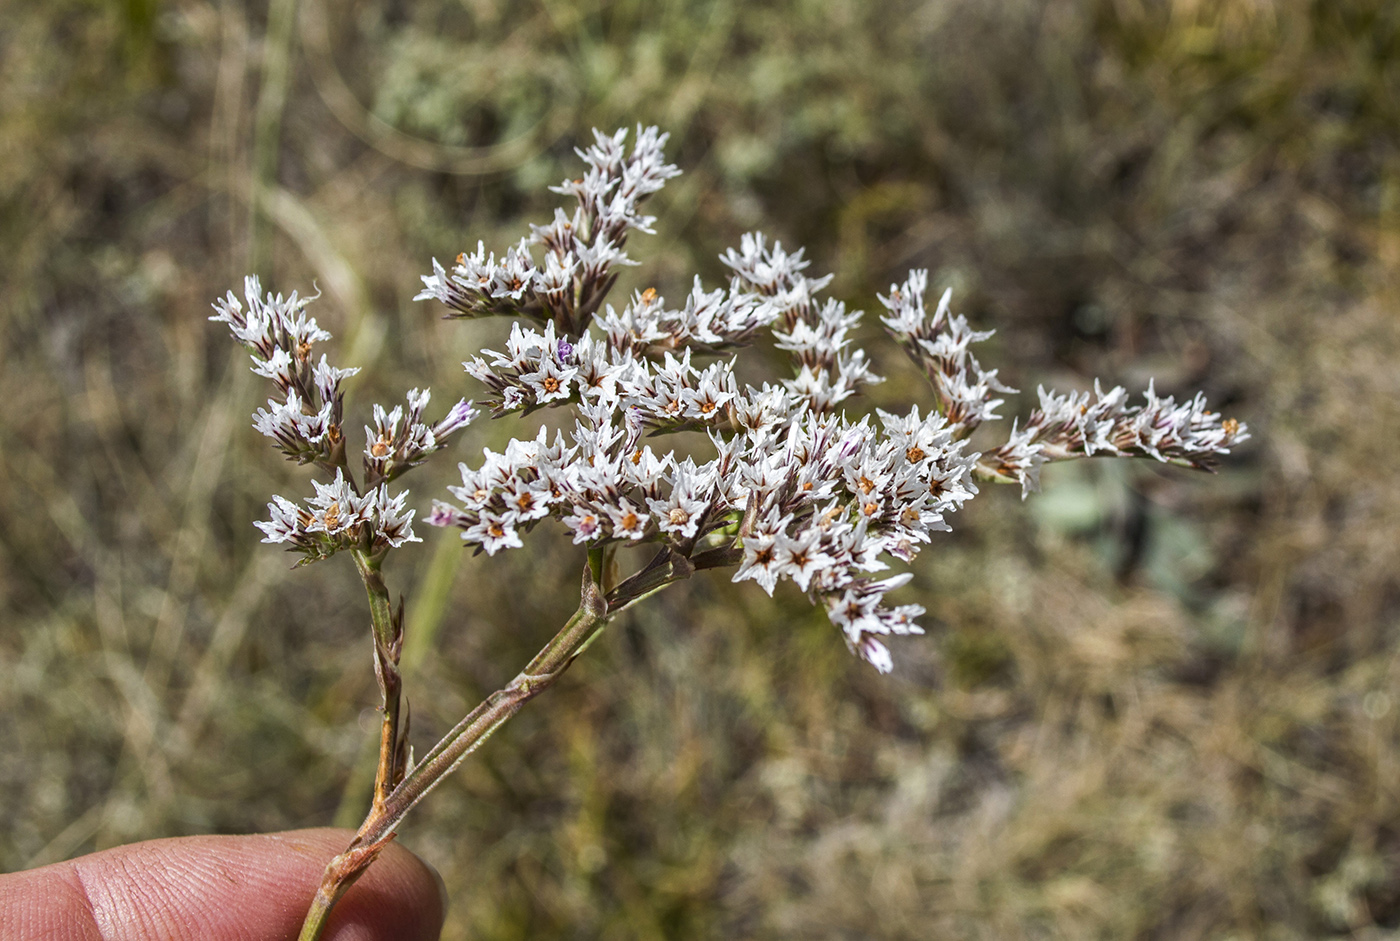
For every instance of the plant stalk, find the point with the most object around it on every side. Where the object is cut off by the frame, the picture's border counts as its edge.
(388, 812)
(388, 647)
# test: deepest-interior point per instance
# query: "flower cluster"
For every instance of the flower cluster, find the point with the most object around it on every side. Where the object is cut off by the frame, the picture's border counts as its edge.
(794, 488)
(402, 440)
(1074, 425)
(817, 500)
(580, 249)
(816, 335)
(339, 518)
(776, 481)
(709, 321)
(305, 423)
(939, 344)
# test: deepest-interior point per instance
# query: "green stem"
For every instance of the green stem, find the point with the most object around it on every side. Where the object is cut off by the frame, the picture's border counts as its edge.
(388, 646)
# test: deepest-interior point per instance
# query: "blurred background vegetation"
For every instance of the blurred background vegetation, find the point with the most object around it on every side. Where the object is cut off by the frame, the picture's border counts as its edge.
(1153, 704)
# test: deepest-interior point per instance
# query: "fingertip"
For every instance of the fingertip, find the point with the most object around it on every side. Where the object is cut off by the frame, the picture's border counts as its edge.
(222, 887)
(400, 896)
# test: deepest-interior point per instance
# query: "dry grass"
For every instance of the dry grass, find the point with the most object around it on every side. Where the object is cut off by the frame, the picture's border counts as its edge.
(1154, 705)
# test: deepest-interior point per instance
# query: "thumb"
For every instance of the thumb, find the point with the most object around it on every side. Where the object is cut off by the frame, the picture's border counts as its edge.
(220, 888)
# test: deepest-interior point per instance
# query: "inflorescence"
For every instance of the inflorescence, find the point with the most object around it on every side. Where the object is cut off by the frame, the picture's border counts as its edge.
(794, 490)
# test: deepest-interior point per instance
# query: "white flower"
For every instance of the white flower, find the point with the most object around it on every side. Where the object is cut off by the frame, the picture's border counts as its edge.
(457, 418)
(767, 270)
(514, 275)
(764, 408)
(598, 376)
(295, 431)
(288, 523)
(762, 559)
(327, 379)
(875, 653)
(337, 507)
(558, 236)
(801, 556)
(906, 306)
(556, 279)
(393, 525)
(550, 380)
(493, 532)
(279, 367)
(271, 322)
(595, 260)
(713, 390)
(527, 501)
(853, 611)
(628, 521)
(681, 511)
(445, 514)
(586, 524)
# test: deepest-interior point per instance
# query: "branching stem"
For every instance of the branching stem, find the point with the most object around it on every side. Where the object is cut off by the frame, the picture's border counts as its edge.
(392, 804)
